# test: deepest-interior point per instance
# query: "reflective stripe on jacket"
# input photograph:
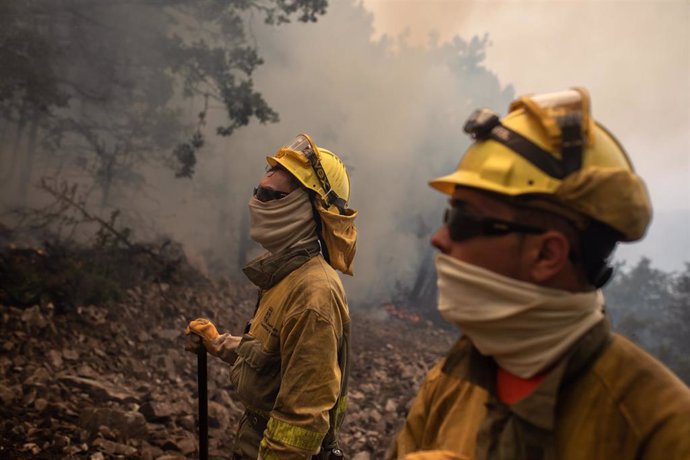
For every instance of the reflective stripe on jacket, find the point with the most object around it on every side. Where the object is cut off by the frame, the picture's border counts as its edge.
(292, 364)
(600, 402)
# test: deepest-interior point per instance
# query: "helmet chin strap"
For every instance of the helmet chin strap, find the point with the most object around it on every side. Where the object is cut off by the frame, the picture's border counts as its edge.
(600, 241)
(319, 226)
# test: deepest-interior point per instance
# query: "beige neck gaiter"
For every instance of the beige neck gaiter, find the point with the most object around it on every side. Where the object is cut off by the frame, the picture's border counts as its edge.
(524, 327)
(280, 224)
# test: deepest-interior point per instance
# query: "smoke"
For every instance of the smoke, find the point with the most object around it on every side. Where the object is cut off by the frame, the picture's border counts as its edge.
(392, 107)
(392, 112)
(634, 57)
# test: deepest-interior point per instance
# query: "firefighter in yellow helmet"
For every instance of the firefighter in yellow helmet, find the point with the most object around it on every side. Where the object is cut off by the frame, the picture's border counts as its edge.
(290, 368)
(537, 205)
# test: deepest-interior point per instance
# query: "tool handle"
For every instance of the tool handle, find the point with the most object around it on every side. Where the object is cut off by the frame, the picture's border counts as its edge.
(203, 403)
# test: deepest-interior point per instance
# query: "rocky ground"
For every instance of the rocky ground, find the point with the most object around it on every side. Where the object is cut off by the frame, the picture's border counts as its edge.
(114, 381)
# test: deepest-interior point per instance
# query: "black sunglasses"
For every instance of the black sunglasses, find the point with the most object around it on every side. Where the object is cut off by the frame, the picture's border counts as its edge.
(268, 194)
(464, 225)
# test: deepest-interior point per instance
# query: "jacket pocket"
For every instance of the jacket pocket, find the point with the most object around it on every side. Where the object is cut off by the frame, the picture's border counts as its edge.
(256, 374)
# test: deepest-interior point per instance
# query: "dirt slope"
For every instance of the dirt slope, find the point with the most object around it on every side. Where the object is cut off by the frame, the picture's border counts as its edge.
(114, 382)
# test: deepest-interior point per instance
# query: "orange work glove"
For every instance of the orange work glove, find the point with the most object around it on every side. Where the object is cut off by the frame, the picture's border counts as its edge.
(201, 328)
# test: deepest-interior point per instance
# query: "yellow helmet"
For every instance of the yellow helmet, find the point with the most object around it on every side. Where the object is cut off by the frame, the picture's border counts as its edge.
(322, 171)
(317, 169)
(549, 148)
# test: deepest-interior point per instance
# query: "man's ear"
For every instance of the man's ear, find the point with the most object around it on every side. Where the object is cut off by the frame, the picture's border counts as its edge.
(550, 256)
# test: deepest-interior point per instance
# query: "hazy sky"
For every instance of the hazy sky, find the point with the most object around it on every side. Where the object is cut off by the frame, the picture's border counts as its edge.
(633, 56)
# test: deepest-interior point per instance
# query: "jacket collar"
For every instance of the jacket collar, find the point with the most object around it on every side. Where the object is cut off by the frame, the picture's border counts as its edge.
(267, 270)
(539, 407)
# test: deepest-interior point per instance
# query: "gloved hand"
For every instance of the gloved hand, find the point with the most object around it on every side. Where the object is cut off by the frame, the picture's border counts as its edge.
(201, 328)
(223, 346)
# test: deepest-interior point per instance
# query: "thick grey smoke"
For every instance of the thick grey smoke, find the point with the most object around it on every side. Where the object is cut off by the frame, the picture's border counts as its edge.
(634, 57)
(394, 118)
(392, 112)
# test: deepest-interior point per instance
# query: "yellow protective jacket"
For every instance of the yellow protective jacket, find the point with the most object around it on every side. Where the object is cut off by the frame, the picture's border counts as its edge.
(607, 399)
(292, 363)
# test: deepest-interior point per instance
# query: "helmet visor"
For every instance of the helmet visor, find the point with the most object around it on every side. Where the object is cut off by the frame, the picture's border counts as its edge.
(301, 145)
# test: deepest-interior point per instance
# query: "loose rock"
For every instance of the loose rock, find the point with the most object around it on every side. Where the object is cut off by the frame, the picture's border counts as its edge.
(103, 382)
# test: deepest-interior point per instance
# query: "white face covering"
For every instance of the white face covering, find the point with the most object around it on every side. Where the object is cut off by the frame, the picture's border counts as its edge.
(281, 224)
(524, 327)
